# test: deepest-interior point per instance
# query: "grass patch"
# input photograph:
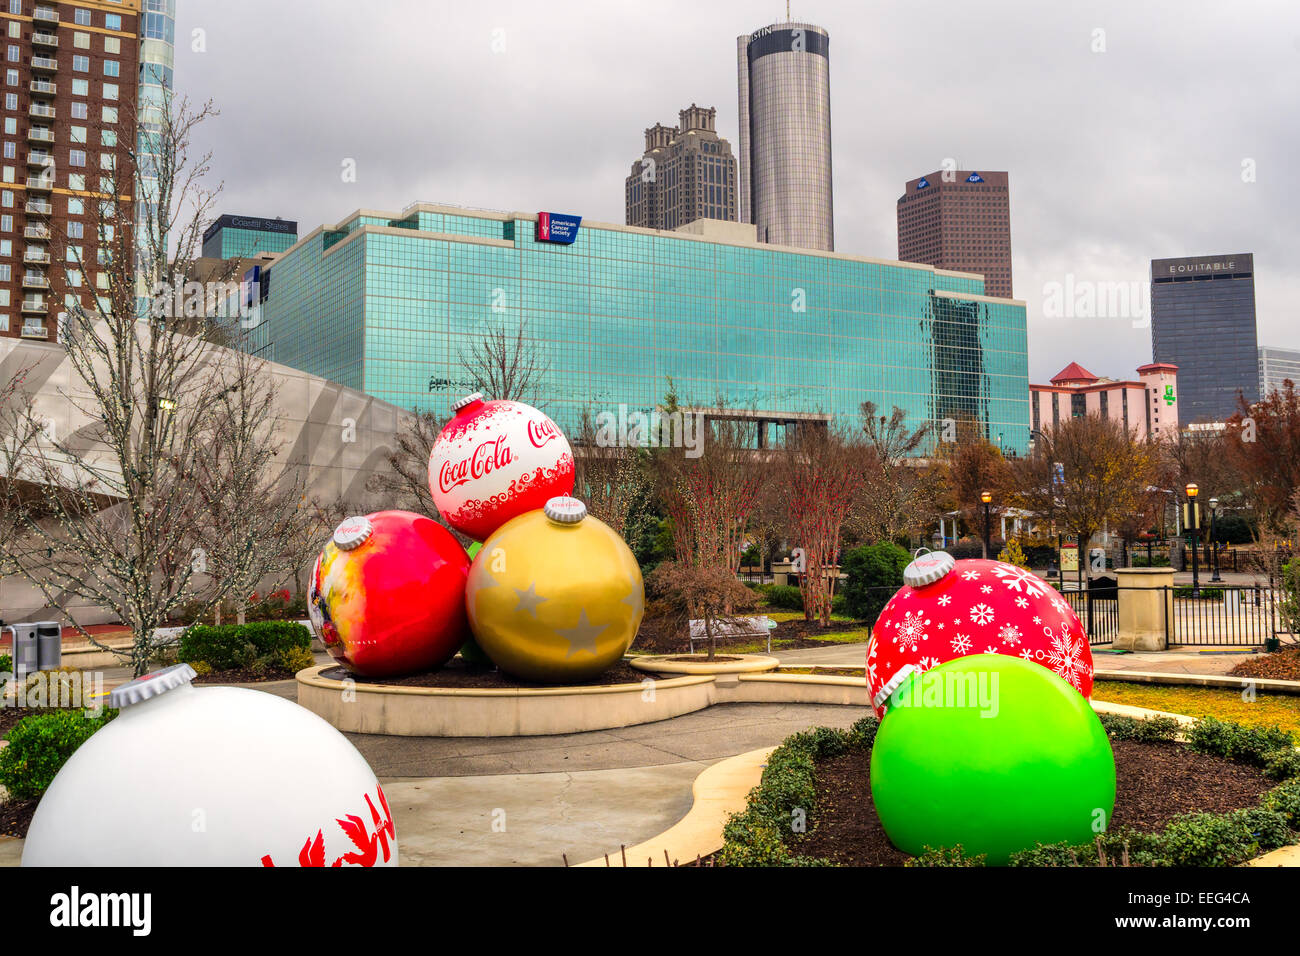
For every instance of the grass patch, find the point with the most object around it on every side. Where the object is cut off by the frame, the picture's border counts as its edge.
(1266, 710)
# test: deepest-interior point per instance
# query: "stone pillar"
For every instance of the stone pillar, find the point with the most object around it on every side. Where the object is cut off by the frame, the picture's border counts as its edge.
(1144, 608)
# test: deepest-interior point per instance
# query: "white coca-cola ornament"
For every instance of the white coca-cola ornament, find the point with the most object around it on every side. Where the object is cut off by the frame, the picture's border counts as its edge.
(494, 461)
(218, 776)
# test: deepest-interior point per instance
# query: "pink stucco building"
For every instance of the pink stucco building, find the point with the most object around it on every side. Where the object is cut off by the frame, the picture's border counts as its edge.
(1148, 405)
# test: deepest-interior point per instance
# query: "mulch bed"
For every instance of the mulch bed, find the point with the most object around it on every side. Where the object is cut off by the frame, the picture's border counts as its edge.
(654, 638)
(16, 817)
(1155, 782)
(245, 675)
(1280, 665)
(457, 674)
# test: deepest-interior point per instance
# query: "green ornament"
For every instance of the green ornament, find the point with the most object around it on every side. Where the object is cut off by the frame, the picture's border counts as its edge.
(994, 753)
(471, 653)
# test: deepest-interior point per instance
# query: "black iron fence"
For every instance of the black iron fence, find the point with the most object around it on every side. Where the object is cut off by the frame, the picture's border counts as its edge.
(1223, 615)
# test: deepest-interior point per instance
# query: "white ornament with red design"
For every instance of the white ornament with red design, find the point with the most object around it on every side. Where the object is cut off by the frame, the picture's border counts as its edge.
(218, 776)
(948, 608)
(494, 461)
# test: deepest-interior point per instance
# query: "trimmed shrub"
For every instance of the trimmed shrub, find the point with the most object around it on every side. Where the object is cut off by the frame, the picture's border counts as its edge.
(241, 645)
(40, 745)
(1250, 745)
(785, 596)
(1149, 730)
(293, 659)
(947, 856)
(875, 572)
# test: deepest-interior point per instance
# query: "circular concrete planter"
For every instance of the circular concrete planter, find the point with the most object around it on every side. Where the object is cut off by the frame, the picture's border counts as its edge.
(700, 664)
(507, 712)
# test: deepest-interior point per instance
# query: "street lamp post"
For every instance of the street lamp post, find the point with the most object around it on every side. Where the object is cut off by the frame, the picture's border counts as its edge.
(1214, 544)
(1193, 525)
(986, 497)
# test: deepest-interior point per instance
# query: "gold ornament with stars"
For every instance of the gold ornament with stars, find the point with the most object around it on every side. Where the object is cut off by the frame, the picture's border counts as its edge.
(555, 595)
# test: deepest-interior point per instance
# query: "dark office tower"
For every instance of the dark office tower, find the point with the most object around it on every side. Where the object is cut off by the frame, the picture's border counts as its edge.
(785, 135)
(686, 173)
(959, 220)
(1203, 321)
(71, 72)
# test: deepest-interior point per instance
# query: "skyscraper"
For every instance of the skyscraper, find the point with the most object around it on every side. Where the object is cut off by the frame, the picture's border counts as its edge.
(687, 172)
(959, 220)
(238, 237)
(69, 70)
(1276, 366)
(1203, 321)
(785, 135)
(157, 62)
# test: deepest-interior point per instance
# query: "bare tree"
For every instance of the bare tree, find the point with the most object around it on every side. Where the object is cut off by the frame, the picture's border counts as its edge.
(608, 477)
(405, 484)
(682, 592)
(171, 493)
(897, 491)
(507, 364)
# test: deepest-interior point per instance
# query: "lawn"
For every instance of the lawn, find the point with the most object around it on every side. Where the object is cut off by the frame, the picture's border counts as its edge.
(1266, 710)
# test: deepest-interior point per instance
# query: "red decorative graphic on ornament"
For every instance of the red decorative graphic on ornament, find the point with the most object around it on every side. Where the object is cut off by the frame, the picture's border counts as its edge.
(370, 845)
(540, 432)
(484, 460)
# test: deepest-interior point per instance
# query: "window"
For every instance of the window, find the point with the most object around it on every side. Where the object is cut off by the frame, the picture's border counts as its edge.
(112, 45)
(76, 157)
(108, 114)
(110, 91)
(112, 68)
(75, 253)
(81, 64)
(7, 198)
(106, 185)
(108, 137)
(10, 151)
(81, 17)
(113, 21)
(81, 87)
(11, 101)
(78, 133)
(15, 30)
(76, 207)
(101, 280)
(11, 77)
(77, 181)
(107, 161)
(6, 247)
(16, 7)
(14, 53)
(7, 174)
(11, 125)
(80, 110)
(6, 272)
(6, 223)
(74, 278)
(76, 230)
(106, 233)
(81, 40)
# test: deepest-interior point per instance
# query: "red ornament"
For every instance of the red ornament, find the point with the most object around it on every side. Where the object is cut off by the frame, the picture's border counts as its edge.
(388, 594)
(494, 461)
(950, 608)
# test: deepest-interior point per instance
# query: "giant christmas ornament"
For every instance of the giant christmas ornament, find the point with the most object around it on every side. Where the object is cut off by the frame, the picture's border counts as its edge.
(387, 594)
(218, 776)
(470, 652)
(948, 608)
(993, 753)
(494, 461)
(555, 595)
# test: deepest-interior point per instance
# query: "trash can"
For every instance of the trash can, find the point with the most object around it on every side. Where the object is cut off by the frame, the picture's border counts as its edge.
(49, 644)
(24, 650)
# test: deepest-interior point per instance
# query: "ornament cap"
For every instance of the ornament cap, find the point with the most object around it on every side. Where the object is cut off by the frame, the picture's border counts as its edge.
(151, 685)
(881, 700)
(565, 510)
(353, 533)
(467, 401)
(928, 568)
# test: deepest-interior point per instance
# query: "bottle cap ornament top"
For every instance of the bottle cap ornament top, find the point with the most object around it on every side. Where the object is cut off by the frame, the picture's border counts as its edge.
(467, 401)
(928, 568)
(565, 510)
(353, 533)
(151, 685)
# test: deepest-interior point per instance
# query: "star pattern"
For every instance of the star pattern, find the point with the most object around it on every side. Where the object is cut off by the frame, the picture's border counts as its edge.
(582, 636)
(528, 600)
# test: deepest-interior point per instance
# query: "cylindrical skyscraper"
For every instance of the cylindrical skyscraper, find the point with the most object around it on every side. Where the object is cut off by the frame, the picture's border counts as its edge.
(785, 135)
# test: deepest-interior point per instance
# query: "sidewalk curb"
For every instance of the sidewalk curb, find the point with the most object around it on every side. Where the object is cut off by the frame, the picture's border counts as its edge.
(1216, 681)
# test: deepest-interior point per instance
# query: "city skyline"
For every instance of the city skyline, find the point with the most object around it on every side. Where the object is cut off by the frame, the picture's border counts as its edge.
(1110, 150)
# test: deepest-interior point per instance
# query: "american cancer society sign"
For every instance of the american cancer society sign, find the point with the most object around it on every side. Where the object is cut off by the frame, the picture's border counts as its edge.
(557, 227)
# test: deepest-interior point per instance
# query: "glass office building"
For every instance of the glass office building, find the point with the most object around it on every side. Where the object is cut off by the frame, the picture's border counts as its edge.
(1203, 321)
(1276, 366)
(388, 303)
(242, 237)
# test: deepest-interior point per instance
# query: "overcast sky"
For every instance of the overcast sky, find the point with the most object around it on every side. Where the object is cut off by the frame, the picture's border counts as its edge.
(1115, 156)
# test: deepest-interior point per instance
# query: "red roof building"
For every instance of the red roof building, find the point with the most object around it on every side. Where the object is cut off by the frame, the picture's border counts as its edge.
(1147, 405)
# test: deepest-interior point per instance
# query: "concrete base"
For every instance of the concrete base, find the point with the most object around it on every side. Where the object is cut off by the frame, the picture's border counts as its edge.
(512, 712)
(700, 664)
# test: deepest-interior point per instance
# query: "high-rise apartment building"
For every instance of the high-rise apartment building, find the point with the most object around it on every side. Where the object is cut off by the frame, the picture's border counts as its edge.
(1203, 321)
(1276, 366)
(69, 92)
(687, 172)
(960, 220)
(785, 135)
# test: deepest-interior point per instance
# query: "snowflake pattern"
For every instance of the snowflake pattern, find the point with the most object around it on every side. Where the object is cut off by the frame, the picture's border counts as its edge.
(1065, 656)
(992, 650)
(1010, 634)
(981, 614)
(925, 663)
(986, 589)
(912, 631)
(945, 600)
(1015, 578)
(1021, 603)
(961, 644)
(969, 575)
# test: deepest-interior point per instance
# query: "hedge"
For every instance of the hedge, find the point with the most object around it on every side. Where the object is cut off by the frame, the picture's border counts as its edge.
(874, 572)
(40, 745)
(243, 645)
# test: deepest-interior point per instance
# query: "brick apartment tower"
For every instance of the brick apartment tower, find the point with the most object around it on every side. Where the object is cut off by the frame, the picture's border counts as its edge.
(961, 221)
(71, 76)
(687, 172)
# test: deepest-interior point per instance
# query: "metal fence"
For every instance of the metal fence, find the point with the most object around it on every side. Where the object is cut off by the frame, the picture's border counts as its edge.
(1098, 610)
(1223, 615)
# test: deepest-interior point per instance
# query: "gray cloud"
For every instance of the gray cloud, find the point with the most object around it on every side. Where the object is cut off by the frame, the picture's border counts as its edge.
(1115, 157)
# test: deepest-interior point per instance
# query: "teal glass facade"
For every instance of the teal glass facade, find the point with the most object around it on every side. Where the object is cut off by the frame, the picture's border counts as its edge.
(233, 243)
(387, 305)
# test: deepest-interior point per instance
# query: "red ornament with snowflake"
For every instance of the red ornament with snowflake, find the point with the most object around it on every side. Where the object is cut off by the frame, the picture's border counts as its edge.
(494, 461)
(950, 608)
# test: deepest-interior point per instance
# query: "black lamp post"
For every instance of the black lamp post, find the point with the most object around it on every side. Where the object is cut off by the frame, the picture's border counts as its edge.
(1193, 525)
(1214, 544)
(986, 497)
